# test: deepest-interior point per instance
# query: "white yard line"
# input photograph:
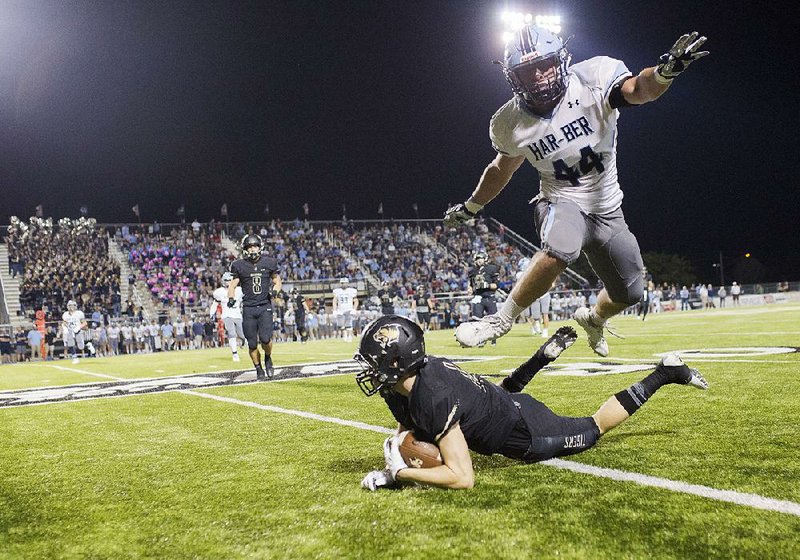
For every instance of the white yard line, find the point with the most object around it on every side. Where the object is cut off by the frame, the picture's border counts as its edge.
(740, 498)
(89, 373)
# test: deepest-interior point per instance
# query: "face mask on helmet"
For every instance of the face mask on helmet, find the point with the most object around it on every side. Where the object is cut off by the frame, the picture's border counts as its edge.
(535, 65)
(480, 258)
(390, 347)
(252, 247)
(226, 279)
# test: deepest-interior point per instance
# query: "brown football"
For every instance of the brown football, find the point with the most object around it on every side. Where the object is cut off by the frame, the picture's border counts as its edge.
(419, 454)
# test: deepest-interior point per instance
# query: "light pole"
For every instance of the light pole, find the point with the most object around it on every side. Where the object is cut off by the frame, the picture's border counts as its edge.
(721, 270)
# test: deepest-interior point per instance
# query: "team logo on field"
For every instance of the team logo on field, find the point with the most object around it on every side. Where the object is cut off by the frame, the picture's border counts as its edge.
(126, 388)
(387, 335)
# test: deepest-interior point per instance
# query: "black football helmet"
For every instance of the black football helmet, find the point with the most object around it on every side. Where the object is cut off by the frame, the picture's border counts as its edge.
(390, 347)
(252, 247)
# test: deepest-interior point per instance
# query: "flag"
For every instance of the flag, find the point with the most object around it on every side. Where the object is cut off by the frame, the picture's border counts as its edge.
(224, 210)
(305, 209)
(380, 208)
(344, 211)
(84, 210)
(39, 211)
(136, 210)
(182, 210)
(266, 209)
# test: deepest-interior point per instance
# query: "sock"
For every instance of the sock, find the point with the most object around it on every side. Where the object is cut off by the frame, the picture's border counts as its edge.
(523, 375)
(510, 310)
(637, 394)
(595, 318)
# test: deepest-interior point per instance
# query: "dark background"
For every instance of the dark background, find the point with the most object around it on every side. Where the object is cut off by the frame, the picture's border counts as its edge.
(163, 104)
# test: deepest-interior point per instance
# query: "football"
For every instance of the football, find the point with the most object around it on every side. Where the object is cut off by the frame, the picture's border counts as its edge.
(419, 454)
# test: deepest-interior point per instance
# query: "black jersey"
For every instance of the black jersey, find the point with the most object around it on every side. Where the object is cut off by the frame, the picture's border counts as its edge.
(422, 303)
(299, 301)
(255, 279)
(480, 278)
(444, 395)
(387, 300)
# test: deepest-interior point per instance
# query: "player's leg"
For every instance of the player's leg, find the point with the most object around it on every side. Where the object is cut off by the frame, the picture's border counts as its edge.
(622, 405)
(265, 327)
(544, 307)
(233, 342)
(614, 255)
(562, 339)
(250, 328)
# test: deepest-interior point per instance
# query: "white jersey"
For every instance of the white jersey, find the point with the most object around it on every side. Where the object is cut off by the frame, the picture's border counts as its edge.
(72, 322)
(344, 299)
(221, 296)
(575, 149)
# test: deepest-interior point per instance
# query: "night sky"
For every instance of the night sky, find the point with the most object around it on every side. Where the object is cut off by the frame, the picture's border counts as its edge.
(162, 104)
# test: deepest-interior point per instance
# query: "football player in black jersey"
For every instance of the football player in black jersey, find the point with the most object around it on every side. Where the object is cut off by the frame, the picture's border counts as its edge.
(460, 411)
(300, 309)
(483, 278)
(387, 294)
(258, 276)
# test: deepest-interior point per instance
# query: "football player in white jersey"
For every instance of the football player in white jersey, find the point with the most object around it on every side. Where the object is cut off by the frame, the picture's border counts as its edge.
(344, 304)
(72, 328)
(563, 120)
(231, 316)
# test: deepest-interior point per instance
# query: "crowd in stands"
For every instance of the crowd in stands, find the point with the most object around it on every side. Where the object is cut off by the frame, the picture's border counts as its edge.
(181, 265)
(61, 262)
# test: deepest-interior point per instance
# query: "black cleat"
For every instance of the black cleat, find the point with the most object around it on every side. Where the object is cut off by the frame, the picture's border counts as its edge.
(260, 375)
(268, 367)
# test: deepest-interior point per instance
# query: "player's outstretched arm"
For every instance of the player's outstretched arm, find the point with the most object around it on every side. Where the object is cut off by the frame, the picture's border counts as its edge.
(455, 473)
(494, 179)
(652, 82)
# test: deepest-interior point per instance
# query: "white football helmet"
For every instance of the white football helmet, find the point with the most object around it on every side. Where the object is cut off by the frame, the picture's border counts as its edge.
(72, 305)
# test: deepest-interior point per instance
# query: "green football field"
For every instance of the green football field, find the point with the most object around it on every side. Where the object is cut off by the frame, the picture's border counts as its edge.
(272, 469)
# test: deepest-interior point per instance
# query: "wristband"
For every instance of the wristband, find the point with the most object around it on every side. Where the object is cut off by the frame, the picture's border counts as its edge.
(473, 207)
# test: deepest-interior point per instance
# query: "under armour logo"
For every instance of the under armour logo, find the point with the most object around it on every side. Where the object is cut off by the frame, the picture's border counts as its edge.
(571, 105)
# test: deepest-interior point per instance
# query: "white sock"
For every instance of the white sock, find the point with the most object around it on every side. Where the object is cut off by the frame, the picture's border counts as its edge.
(595, 318)
(233, 345)
(510, 310)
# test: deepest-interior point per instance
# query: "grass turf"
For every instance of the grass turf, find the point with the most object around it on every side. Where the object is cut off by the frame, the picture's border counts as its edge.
(173, 475)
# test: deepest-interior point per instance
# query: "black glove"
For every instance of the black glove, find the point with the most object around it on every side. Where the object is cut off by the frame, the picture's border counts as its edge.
(680, 56)
(274, 293)
(457, 215)
(231, 302)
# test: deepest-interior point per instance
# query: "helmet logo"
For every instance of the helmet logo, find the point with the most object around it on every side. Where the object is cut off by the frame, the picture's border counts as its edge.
(387, 335)
(528, 56)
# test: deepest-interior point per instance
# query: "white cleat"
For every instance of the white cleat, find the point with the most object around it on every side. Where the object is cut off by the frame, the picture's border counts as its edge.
(478, 332)
(682, 374)
(545, 333)
(75, 361)
(236, 357)
(597, 340)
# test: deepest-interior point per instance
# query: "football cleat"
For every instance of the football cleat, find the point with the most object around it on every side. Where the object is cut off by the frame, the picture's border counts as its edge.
(268, 369)
(597, 339)
(477, 333)
(260, 375)
(562, 339)
(678, 372)
(236, 357)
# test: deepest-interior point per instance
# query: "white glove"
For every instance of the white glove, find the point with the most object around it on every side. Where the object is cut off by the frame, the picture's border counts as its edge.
(377, 479)
(679, 57)
(391, 452)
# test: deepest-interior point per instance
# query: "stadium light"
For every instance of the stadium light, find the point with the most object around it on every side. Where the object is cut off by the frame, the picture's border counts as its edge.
(514, 21)
(747, 255)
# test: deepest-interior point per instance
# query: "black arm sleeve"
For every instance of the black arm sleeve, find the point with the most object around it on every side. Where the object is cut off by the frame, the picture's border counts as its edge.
(616, 99)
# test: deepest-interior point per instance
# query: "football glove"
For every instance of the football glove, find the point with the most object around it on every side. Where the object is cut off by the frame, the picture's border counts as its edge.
(377, 479)
(459, 214)
(679, 57)
(391, 452)
(231, 302)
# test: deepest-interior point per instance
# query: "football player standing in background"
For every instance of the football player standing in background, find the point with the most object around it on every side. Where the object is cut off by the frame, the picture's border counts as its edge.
(231, 316)
(563, 120)
(259, 279)
(344, 304)
(73, 326)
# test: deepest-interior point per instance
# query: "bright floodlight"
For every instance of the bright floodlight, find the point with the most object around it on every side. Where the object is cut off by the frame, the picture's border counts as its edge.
(514, 21)
(553, 23)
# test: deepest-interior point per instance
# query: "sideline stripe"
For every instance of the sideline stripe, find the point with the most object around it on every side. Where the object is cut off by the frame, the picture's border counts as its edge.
(739, 498)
